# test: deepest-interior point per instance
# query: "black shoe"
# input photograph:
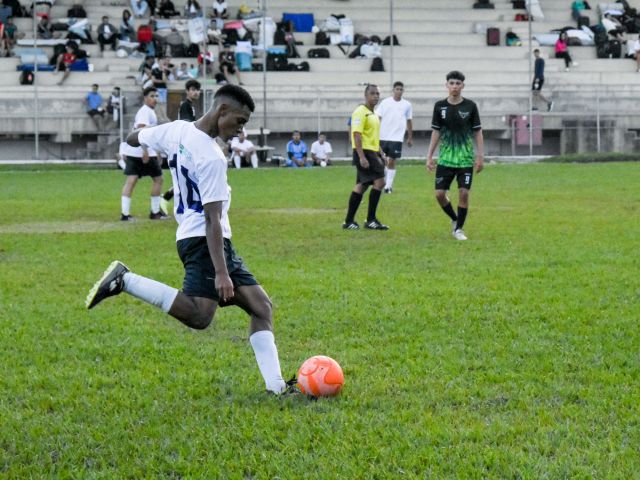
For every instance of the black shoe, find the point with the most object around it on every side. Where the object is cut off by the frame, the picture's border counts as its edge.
(111, 283)
(290, 389)
(388, 190)
(125, 218)
(350, 226)
(158, 216)
(375, 225)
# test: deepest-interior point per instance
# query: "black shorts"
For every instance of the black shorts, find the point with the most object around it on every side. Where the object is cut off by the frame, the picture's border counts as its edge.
(366, 176)
(537, 84)
(391, 149)
(445, 176)
(94, 112)
(199, 274)
(134, 166)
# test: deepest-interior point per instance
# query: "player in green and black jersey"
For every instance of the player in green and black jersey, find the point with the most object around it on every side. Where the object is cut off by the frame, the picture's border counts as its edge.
(456, 122)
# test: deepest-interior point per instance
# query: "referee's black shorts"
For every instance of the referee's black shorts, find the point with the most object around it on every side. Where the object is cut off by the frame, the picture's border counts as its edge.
(366, 176)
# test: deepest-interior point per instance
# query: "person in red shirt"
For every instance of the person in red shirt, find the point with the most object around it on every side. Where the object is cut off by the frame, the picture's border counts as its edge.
(64, 63)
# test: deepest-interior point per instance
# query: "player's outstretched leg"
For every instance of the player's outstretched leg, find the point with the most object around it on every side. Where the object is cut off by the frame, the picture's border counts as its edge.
(111, 283)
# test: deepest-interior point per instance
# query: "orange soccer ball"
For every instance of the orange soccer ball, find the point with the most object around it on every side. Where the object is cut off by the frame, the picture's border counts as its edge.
(320, 376)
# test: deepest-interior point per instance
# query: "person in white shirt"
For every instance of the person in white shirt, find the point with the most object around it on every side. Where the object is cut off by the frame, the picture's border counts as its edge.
(242, 149)
(214, 274)
(321, 151)
(396, 116)
(143, 162)
(634, 51)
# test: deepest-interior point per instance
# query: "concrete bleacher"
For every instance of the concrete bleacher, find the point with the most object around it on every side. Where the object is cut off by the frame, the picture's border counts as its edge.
(435, 35)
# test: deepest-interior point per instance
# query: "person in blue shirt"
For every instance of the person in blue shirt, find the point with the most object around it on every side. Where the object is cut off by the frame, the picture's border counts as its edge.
(297, 152)
(538, 81)
(93, 102)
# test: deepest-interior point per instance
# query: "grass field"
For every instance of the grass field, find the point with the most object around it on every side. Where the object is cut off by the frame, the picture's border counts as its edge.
(513, 355)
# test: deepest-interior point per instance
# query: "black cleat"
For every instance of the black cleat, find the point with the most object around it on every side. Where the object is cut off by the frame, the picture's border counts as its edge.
(158, 216)
(290, 389)
(375, 225)
(350, 226)
(125, 218)
(111, 283)
(388, 190)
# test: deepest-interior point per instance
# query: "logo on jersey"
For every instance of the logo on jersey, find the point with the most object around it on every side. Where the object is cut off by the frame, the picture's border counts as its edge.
(464, 115)
(184, 152)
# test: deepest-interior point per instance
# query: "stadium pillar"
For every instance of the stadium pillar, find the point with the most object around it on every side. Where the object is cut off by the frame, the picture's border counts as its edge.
(530, 90)
(36, 113)
(391, 73)
(264, 62)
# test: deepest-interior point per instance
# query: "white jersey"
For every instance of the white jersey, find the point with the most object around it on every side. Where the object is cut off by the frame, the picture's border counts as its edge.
(199, 173)
(244, 147)
(146, 116)
(394, 116)
(321, 150)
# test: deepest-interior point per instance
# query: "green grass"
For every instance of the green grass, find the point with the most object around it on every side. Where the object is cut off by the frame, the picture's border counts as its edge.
(512, 355)
(593, 157)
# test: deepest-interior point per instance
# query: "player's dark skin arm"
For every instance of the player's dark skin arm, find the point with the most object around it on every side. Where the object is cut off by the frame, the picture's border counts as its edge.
(357, 140)
(215, 242)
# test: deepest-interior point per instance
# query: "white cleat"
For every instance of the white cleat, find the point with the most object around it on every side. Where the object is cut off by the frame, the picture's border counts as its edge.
(458, 234)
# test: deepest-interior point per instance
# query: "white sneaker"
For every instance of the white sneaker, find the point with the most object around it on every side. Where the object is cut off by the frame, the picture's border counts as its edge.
(454, 224)
(459, 234)
(575, 64)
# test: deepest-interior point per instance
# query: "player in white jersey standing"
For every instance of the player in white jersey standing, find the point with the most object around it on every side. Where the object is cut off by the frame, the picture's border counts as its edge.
(214, 274)
(396, 116)
(142, 161)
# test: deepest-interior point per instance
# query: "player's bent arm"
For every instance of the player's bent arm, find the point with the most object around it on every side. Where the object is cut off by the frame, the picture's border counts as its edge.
(479, 164)
(215, 242)
(132, 138)
(357, 140)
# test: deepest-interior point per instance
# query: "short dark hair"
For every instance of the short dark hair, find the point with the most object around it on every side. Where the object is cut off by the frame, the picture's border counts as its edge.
(369, 85)
(95, 85)
(455, 75)
(398, 84)
(192, 84)
(148, 90)
(295, 131)
(237, 93)
(537, 50)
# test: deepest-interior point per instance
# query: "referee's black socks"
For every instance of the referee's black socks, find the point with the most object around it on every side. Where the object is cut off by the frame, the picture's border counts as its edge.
(374, 199)
(354, 203)
(448, 209)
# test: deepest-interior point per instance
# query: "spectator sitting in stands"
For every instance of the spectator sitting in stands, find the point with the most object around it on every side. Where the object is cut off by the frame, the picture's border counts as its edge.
(243, 149)
(106, 34)
(127, 27)
(167, 9)
(321, 151)
(113, 105)
(562, 51)
(192, 9)
(227, 60)
(145, 69)
(297, 152)
(183, 72)
(139, 7)
(576, 9)
(11, 35)
(65, 60)
(613, 27)
(93, 102)
(634, 51)
(17, 10)
(220, 9)
(45, 31)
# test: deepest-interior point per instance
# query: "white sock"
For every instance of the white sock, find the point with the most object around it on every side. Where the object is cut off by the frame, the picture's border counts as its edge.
(155, 204)
(391, 174)
(237, 161)
(151, 291)
(264, 346)
(254, 160)
(126, 205)
(386, 177)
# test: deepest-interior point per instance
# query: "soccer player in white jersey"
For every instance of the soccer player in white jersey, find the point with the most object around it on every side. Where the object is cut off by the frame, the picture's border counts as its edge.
(214, 274)
(142, 161)
(396, 118)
